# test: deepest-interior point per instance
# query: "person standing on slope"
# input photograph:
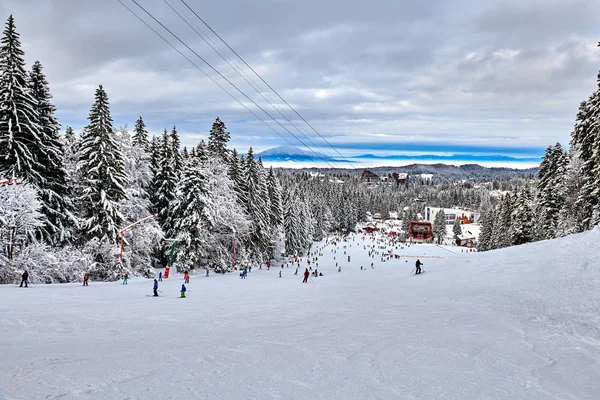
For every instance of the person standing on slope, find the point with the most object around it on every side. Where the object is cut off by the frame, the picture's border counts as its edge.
(160, 276)
(24, 278)
(183, 289)
(306, 274)
(418, 267)
(125, 277)
(155, 288)
(85, 279)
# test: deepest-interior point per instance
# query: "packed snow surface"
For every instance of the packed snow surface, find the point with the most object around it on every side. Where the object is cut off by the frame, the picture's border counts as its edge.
(519, 323)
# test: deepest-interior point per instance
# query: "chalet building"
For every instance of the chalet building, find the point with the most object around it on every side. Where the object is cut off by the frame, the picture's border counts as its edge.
(465, 216)
(420, 231)
(369, 177)
(398, 178)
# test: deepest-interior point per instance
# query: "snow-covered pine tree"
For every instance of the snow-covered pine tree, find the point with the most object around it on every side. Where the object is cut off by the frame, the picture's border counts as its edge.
(141, 241)
(550, 180)
(202, 152)
(176, 151)
(457, 228)
(570, 217)
(236, 173)
(140, 135)
(20, 133)
(53, 189)
(165, 183)
(258, 207)
(155, 159)
(218, 139)
(70, 146)
(484, 242)
(584, 135)
(295, 241)
(439, 226)
(274, 188)
(521, 230)
(102, 169)
(190, 220)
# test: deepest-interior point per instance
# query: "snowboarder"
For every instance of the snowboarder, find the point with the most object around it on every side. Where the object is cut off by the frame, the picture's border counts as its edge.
(160, 276)
(183, 289)
(306, 275)
(418, 267)
(186, 277)
(85, 279)
(125, 277)
(24, 278)
(155, 288)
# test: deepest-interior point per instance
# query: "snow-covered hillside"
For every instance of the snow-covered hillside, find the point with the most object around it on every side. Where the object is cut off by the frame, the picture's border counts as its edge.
(519, 323)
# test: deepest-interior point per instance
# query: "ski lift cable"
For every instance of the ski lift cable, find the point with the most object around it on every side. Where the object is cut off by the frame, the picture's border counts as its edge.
(265, 82)
(204, 72)
(227, 80)
(240, 71)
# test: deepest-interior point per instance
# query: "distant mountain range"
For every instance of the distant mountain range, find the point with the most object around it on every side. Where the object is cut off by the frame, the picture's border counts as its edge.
(293, 154)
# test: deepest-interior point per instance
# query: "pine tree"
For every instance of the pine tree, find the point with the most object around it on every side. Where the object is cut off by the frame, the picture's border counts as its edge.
(550, 179)
(276, 212)
(176, 151)
(140, 135)
(20, 133)
(190, 220)
(487, 231)
(521, 230)
(258, 205)
(218, 139)
(202, 152)
(53, 189)
(103, 171)
(457, 228)
(165, 183)
(439, 226)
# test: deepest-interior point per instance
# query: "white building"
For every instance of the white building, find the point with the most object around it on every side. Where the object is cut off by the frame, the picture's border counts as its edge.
(466, 215)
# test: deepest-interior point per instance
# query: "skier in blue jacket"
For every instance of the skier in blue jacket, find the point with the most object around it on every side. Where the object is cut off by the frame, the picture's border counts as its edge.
(155, 288)
(183, 289)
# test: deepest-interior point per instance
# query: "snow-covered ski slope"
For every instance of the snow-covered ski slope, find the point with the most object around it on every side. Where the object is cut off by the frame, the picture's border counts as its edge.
(520, 323)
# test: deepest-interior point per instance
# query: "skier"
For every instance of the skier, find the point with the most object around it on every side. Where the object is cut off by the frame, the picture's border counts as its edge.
(340, 269)
(186, 277)
(155, 288)
(24, 278)
(125, 277)
(348, 258)
(280, 274)
(296, 273)
(418, 267)
(306, 274)
(85, 279)
(183, 289)
(160, 276)
(244, 273)
(206, 271)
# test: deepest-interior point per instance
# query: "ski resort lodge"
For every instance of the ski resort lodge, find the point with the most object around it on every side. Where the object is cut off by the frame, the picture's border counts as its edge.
(466, 216)
(399, 178)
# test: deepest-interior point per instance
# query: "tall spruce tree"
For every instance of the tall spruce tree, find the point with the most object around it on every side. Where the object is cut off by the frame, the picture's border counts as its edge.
(102, 169)
(484, 242)
(550, 179)
(457, 228)
(53, 189)
(521, 230)
(218, 139)
(190, 220)
(258, 206)
(176, 151)
(439, 226)
(140, 135)
(20, 133)
(165, 183)
(276, 212)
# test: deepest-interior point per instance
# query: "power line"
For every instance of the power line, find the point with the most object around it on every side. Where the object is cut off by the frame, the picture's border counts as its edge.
(201, 70)
(227, 80)
(265, 82)
(206, 38)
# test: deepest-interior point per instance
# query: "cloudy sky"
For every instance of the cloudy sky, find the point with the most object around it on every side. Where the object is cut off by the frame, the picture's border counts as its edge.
(377, 76)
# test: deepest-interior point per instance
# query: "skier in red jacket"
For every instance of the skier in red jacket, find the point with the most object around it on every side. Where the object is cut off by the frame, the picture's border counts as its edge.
(306, 274)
